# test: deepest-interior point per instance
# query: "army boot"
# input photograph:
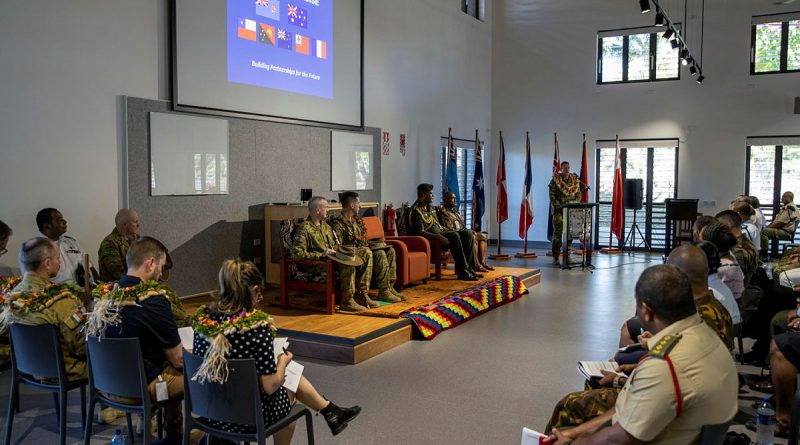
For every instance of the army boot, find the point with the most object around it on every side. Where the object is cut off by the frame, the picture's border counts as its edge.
(397, 294)
(350, 305)
(388, 296)
(363, 299)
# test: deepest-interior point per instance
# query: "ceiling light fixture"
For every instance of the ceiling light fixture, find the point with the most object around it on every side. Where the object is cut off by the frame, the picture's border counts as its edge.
(645, 5)
(668, 33)
(700, 79)
(660, 19)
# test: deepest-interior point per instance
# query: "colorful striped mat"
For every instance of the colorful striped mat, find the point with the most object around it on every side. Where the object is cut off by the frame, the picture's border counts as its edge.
(462, 306)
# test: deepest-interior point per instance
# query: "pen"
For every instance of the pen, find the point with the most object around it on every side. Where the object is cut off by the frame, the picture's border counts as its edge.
(641, 332)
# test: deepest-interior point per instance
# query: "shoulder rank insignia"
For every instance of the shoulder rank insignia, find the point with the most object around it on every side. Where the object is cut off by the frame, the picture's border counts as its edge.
(664, 346)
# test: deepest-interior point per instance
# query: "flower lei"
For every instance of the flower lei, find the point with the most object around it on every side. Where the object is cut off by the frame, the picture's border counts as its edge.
(567, 189)
(360, 239)
(7, 285)
(24, 302)
(215, 366)
(113, 298)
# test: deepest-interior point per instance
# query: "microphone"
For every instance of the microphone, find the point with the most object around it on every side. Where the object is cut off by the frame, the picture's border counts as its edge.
(585, 186)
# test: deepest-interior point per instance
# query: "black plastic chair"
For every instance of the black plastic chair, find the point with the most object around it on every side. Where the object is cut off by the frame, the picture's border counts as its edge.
(36, 351)
(714, 434)
(116, 368)
(237, 400)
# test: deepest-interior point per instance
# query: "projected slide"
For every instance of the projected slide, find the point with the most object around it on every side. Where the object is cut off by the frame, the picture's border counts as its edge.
(282, 44)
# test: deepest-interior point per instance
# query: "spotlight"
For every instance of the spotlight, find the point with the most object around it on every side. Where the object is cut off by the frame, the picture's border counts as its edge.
(645, 5)
(668, 33)
(684, 55)
(693, 70)
(659, 19)
(700, 79)
(686, 61)
(674, 43)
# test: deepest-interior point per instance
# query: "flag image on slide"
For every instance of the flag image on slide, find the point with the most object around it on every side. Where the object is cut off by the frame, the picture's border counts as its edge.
(284, 39)
(266, 34)
(301, 44)
(526, 206)
(320, 49)
(270, 9)
(246, 29)
(297, 16)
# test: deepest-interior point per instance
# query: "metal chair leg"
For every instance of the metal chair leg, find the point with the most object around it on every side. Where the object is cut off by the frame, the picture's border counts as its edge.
(13, 406)
(87, 424)
(62, 423)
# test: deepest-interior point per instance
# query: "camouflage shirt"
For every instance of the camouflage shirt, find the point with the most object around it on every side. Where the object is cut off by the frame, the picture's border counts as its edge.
(349, 233)
(65, 312)
(112, 255)
(311, 241)
(564, 191)
(717, 318)
(423, 219)
(746, 255)
(450, 219)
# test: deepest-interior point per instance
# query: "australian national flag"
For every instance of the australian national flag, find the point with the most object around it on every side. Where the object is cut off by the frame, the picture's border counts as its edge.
(284, 39)
(297, 16)
(477, 187)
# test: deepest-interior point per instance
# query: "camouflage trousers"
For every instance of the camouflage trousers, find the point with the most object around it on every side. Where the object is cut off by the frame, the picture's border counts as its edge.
(558, 227)
(384, 268)
(582, 406)
(355, 278)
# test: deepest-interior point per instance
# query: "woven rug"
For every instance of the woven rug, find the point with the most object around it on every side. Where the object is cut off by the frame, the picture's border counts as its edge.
(459, 307)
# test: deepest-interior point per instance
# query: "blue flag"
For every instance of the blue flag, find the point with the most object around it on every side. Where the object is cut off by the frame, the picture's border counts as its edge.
(477, 187)
(451, 180)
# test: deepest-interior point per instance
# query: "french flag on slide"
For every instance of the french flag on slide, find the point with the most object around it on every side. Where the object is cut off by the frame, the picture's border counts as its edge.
(320, 49)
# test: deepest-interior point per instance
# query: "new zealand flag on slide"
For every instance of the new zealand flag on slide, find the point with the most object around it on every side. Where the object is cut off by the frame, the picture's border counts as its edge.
(285, 45)
(297, 16)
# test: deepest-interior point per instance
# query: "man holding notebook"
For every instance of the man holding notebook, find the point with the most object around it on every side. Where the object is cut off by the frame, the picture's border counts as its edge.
(687, 380)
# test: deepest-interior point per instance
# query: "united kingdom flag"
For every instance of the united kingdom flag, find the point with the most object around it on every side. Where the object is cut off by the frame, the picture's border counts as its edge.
(297, 16)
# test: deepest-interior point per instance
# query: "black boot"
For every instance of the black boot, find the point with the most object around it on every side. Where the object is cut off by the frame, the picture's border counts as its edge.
(337, 418)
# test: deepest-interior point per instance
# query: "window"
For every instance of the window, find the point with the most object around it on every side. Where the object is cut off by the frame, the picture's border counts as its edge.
(656, 163)
(465, 162)
(773, 167)
(636, 55)
(775, 44)
(473, 7)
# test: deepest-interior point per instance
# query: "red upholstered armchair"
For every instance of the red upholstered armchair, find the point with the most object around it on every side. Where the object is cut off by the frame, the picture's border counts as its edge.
(412, 253)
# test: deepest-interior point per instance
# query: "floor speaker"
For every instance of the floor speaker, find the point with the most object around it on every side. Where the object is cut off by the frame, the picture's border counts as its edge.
(632, 194)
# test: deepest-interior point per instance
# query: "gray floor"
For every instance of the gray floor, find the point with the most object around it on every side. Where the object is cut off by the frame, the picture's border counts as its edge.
(478, 383)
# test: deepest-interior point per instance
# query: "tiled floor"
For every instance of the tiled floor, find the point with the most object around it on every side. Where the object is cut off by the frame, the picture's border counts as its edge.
(479, 383)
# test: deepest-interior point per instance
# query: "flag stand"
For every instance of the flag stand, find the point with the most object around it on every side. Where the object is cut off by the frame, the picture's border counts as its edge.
(499, 256)
(524, 253)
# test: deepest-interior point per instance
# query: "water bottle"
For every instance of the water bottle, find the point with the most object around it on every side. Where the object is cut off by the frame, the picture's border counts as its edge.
(765, 423)
(119, 439)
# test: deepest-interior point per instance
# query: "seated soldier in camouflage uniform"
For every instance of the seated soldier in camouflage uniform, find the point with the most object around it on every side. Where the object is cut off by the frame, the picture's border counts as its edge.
(579, 407)
(115, 246)
(450, 219)
(744, 251)
(424, 223)
(36, 301)
(349, 227)
(314, 240)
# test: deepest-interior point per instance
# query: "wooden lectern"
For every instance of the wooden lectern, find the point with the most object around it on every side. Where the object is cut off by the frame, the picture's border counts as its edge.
(577, 225)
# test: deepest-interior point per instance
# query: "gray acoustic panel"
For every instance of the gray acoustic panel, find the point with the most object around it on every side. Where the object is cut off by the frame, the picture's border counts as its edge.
(269, 162)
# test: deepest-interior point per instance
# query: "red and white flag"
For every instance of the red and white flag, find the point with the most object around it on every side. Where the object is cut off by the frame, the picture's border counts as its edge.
(617, 209)
(502, 196)
(526, 206)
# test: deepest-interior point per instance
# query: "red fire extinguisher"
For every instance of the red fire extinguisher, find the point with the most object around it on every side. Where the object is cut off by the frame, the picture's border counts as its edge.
(389, 216)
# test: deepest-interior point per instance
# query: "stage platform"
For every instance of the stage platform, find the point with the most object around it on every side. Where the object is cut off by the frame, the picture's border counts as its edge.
(353, 338)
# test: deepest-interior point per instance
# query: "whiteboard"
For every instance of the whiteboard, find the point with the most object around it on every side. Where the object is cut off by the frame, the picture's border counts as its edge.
(188, 155)
(352, 161)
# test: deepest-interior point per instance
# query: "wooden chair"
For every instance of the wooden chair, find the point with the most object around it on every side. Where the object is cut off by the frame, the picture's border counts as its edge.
(412, 253)
(289, 279)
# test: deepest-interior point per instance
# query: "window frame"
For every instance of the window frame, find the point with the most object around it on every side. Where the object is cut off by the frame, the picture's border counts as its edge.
(478, 6)
(784, 44)
(655, 32)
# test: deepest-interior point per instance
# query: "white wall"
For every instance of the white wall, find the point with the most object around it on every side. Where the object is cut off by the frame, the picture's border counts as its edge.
(427, 69)
(65, 64)
(544, 57)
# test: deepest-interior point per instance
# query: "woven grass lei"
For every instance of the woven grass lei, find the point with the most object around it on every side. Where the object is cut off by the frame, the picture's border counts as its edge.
(112, 298)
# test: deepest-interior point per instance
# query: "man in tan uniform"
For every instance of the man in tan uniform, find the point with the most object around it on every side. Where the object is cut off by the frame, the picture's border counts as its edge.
(652, 408)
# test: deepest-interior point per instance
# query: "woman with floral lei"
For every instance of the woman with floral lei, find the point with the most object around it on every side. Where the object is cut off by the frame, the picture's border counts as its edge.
(233, 328)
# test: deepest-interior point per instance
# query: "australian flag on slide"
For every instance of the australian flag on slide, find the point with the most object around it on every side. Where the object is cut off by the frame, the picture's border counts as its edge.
(284, 39)
(297, 16)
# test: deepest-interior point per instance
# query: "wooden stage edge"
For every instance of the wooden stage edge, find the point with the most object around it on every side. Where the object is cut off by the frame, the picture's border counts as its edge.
(350, 339)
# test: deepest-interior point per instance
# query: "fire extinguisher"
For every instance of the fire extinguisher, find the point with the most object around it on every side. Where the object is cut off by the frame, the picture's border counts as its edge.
(389, 216)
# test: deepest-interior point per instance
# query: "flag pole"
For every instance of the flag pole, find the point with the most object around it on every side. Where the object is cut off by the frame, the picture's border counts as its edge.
(611, 250)
(500, 256)
(524, 253)
(474, 198)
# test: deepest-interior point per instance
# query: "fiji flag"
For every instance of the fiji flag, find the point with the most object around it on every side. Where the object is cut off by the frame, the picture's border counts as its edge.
(297, 16)
(270, 9)
(284, 39)
(479, 203)
(451, 178)
(246, 29)
(266, 34)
